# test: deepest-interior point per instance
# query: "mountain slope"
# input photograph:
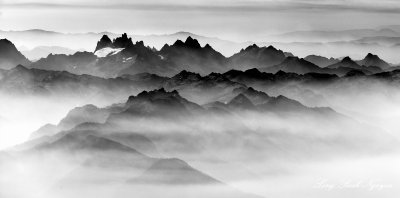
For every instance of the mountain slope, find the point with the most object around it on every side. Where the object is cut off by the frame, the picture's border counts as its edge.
(10, 56)
(173, 172)
(78, 63)
(21, 80)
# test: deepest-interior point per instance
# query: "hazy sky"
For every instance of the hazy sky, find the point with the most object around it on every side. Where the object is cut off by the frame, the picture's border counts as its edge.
(234, 19)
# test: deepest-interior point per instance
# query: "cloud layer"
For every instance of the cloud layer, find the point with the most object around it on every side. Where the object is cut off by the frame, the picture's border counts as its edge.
(385, 6)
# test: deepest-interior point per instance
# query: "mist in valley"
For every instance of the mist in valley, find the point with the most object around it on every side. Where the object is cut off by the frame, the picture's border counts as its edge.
(348, 150)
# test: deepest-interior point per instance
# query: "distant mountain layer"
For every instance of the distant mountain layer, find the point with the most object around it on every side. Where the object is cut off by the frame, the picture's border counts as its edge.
(342, 43)
(320, 60)
(329, 36)
(43, 51)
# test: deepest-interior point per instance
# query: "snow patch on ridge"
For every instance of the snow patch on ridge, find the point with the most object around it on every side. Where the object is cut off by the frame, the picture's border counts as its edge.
(107, 51)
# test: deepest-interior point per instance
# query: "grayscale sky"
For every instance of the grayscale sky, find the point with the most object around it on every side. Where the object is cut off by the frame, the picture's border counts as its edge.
(233, 19)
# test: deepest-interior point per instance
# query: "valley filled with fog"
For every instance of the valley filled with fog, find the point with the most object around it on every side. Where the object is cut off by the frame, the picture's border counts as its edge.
(184, 119)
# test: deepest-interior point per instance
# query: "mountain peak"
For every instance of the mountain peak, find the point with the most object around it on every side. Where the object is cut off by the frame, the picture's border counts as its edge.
(186, 75)
(179, 43)
(159, 103)
(374, 60)
(122, 42)
(256, 97)
(321, 60)
(192, 43)
(347, 59)
(10, 56)
(370, 55)
(20, 68)
(207, 46)
(139, 43)
(105, 41)
(271, 47)
(6, 41)
(254, 56)
(251, 47)
(154, 95)
(241, 101)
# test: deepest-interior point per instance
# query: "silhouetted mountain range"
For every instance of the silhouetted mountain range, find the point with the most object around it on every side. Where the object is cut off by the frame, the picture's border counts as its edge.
(202, 89)
(348, 64)
(121, 56)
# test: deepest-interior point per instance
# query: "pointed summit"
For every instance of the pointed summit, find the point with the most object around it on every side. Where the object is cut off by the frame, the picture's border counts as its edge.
(241, 101)
(105, 41)
(347, 59)
(346, 62)
(179, 43)
(20, 68)
(373, 60)
(192, 43)
(207, 46)
(256, 97)
(282, 103)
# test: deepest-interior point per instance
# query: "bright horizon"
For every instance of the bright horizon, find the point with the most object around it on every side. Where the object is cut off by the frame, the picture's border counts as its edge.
(233, 20)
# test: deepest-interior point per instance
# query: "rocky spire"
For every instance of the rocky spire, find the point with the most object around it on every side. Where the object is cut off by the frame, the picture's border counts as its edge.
(105, 41)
